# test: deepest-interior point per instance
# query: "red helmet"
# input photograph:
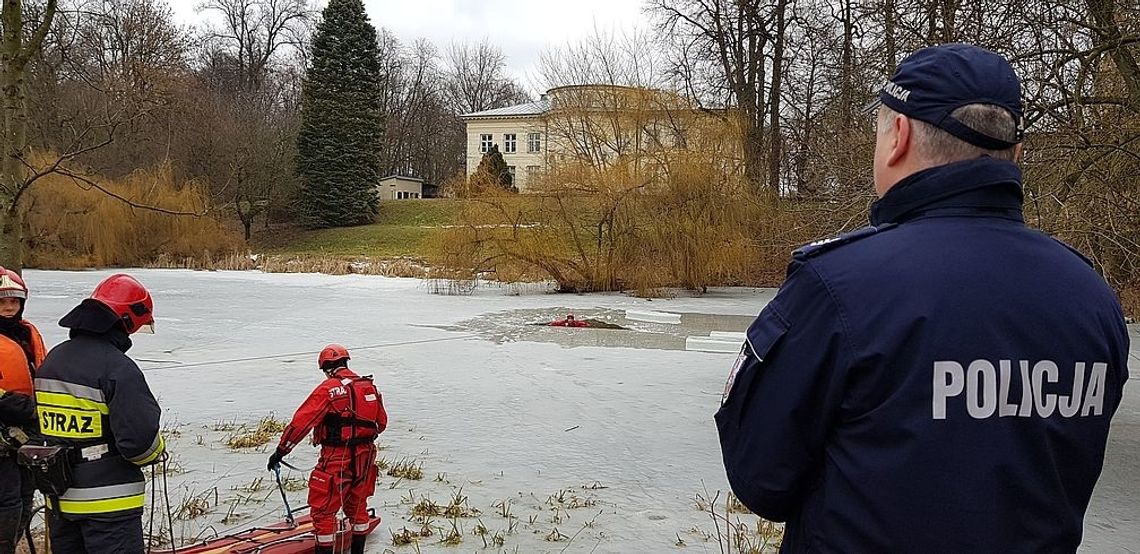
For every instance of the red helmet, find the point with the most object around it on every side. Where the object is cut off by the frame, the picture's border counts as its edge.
(129, 299)
(12, 285)
(332, 353)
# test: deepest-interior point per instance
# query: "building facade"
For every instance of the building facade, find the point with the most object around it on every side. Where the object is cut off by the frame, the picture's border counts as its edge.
(600, 125)
(397, 187)
(520, 133)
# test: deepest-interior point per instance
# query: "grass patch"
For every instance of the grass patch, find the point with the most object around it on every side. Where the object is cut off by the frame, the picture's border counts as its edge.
(257, 485)
(406, 469)
(454, 537)
(406, 536)
(294, 484)
(568, 499)
(267, 429)
(194, 506)
(401, 229)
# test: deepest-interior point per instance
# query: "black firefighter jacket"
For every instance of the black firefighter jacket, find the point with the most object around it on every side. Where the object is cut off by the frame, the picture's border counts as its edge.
(92, 397)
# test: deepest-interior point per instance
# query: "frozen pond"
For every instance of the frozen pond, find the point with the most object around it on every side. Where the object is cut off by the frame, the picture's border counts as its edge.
(594, 440)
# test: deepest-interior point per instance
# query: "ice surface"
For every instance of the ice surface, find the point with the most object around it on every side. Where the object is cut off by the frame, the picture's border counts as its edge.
(621, 419)
(728, 335)
(713, 344)
(516, 418)
(653, 316)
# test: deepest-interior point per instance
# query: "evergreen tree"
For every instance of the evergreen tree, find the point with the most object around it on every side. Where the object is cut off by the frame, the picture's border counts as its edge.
(495, 166)
(338, 147)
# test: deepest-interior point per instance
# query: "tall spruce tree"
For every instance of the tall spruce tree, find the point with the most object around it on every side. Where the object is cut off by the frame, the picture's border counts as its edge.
(338, 147)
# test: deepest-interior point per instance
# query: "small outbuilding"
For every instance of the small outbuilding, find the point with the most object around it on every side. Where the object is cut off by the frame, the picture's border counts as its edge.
(399, 187)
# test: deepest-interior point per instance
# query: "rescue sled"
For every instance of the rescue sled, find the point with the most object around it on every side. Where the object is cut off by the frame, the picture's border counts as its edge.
(278, 538)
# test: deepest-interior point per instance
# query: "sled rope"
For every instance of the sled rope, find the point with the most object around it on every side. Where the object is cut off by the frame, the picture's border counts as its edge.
(308, 353)
(284, 498)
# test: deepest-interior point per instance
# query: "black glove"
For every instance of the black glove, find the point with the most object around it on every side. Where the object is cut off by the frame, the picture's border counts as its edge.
(275, 460)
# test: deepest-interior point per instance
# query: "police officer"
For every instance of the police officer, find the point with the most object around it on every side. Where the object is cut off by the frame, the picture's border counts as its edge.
(347, 413)
(92, 398)
(943, 380)
(21, 351)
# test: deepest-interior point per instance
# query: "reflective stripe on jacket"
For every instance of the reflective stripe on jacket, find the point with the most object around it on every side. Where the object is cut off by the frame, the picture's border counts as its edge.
(92, 397)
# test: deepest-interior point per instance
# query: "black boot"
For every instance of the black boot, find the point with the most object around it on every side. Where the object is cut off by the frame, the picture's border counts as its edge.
(323, 549)
(358, 543)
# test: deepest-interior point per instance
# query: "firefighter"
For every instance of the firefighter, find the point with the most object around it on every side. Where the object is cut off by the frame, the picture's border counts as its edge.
(21, 351)
(94, 400)
(347, 414)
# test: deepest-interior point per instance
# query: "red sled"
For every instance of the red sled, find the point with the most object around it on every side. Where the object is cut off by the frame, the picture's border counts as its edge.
(278, 538)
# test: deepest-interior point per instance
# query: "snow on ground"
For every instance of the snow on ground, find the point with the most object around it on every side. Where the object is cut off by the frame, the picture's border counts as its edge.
(594, 440)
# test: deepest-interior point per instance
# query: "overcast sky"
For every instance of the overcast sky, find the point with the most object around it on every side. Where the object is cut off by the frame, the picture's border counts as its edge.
(521, 28)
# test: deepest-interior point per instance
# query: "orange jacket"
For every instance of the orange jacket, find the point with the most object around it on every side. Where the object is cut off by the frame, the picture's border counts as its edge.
(15, 368)
(16, 375)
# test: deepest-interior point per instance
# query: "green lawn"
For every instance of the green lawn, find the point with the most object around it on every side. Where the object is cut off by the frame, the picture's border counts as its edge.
(400, 230)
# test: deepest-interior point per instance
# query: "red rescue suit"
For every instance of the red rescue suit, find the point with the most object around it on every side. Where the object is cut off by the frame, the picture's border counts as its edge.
(346, 414)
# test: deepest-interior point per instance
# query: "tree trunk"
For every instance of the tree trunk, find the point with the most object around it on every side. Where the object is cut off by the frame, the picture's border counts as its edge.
(847, 67)
(1104, 16)
(14, 137)
(14, 56)
(754, 162)
(889, 24)
(775, 133)
(11, 233)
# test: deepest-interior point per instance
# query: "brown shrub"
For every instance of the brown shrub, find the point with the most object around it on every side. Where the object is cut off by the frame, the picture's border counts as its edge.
(70, 223)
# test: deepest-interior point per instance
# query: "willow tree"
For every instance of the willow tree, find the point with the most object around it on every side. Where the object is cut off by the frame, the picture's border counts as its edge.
(17, 48)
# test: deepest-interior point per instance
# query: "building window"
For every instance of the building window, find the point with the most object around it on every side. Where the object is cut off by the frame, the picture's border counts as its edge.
(511, 170)
(534, 142)
(484, 143)
(509, 143)
(531, 173)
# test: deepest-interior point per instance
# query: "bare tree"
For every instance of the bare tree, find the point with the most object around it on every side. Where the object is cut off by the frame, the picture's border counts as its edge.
(254, 32)
(477, 80)
(728, 47)
(605, 58)
(249, 72)
(110, 63)
(16, 49)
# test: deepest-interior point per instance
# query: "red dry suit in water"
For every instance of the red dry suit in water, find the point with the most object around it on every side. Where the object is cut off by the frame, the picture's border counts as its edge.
(346, 413)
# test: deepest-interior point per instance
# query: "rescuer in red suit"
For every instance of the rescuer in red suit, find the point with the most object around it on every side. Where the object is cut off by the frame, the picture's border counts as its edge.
(346, 414)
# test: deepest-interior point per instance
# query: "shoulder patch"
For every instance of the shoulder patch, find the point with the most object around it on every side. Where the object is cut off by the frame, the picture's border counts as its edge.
(828, 244)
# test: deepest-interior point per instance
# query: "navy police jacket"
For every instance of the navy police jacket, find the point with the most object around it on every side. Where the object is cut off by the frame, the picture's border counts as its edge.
(941, 381)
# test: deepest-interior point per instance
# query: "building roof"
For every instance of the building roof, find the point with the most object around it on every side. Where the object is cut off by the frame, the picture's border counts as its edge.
(530, 109)
(403, 177)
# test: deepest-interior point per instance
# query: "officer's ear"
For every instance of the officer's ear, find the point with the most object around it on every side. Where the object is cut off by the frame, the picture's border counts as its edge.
(899, 137)
(1018, 150)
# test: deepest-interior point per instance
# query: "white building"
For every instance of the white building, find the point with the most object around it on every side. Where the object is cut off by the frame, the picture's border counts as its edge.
(595, 123)
(520, 133)
(398, 187)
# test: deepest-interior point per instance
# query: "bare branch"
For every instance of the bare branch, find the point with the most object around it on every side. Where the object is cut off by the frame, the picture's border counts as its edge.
(80, 181)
